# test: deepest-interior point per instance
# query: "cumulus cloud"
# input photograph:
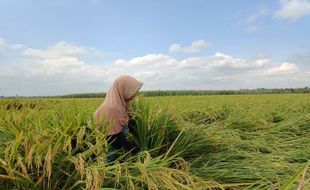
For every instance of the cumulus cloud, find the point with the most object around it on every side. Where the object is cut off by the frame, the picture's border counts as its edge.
(195, 46)
(2, 44)
(5, 46)
(63, 68)
(62, 58)
(293, 9)
(18, 47)
(154, 68)
(284, 69)
(165, 72)
(147, 74)
(60, 49)
(218, 61)
(154, 60)
(221, 60)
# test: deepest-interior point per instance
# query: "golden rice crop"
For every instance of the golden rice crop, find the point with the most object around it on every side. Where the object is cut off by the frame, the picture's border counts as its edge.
(199, 142)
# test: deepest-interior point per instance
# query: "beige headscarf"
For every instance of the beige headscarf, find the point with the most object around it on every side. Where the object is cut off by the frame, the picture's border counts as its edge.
(114, 106)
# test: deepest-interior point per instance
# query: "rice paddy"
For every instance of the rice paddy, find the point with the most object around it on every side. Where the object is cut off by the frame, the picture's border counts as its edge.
(187, 142)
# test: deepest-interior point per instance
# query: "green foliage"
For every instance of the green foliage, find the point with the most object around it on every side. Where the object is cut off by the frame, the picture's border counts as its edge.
(290, 183)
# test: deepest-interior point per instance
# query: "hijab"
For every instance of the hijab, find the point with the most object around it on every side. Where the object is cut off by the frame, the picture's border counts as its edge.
(114, 107)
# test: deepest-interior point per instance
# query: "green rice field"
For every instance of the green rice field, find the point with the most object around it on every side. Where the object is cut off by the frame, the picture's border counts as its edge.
(188, 142)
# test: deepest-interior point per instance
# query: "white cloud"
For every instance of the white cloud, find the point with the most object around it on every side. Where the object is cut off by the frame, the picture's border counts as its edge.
(6, 72)
(284, 69)
(221, 60)
(2, 44)
(194, 63)
(60, 49)
(63, 58)
(195, 46)
(160, 71)
(18, 47)
(253, 17)
(64, 68)
(293, 9)
(261, 62)
(5, 46)
(59, 69)
(302, 76)
(223, 78)
(147, 74)
(150, 60)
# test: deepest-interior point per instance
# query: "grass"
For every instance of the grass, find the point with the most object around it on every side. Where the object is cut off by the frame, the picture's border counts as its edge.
(201, 142)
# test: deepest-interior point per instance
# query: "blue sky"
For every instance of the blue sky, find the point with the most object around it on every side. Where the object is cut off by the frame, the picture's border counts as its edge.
(53, 47)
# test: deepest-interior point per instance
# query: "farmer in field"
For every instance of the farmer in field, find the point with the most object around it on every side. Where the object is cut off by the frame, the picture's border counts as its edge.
(114, 111)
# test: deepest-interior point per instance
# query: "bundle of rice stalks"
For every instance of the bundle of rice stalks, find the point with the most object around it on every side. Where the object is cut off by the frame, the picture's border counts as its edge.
(157, 130)
(152, 128)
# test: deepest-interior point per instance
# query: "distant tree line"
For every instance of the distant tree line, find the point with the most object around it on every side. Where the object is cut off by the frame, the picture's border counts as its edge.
(200, 92)
(186, 93)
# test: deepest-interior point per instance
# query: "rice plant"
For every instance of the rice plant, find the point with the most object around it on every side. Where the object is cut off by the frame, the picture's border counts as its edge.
(61, 149)
(201, 142)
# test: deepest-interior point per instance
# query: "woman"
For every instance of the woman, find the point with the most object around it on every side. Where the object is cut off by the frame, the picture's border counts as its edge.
(114, 111)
